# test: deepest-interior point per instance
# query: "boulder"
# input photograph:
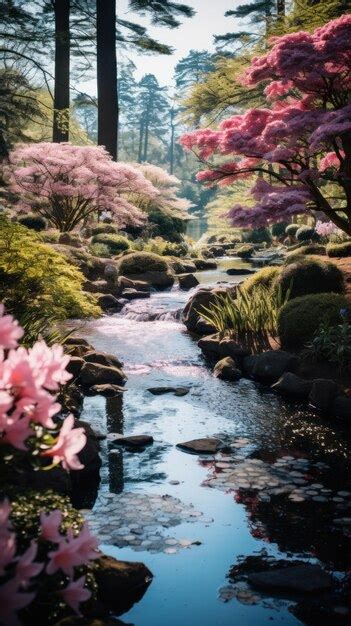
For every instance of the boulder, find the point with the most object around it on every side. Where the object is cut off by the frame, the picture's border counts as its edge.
(226, 369)
(126, 283)
(229, 347)
(202, 298)
(89, 455)
(75, 365)
(110, 272)
(304, 578)
(270, 366)
(211, 345)
(208, 445)
(204, 328)
(78, 341)
(71, 399)
(322, 394)
(134, 441)
(96, 286)
(134, 294)
(159, 280)
(178, 391)
(182, 266)
(96, 374)
(205, 264)
(70, 239)
(102, 358)
(120, 583)
(342, 408)
(237, 271)
(293, 386)
(187, 281)
(108, 302)
(107, 390)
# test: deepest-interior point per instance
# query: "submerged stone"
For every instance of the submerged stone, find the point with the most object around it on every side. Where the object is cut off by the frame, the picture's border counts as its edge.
(305, 578)
(209, 445)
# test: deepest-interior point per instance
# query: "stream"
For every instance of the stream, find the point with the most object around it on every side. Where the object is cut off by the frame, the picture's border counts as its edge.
(183, 515)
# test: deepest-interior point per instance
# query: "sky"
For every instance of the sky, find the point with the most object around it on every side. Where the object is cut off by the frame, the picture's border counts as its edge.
(194, 34)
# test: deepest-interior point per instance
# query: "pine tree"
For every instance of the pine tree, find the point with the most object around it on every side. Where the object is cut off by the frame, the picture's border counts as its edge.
(153, 108)
(192, 68)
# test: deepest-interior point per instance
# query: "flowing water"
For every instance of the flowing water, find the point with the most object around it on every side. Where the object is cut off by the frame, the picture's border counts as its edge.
(186, 517)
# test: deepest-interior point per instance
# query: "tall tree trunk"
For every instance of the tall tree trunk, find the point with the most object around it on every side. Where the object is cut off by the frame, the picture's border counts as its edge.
(141, 141)
(171, 148)
(146, 139)
(62, 71)
(108, 111)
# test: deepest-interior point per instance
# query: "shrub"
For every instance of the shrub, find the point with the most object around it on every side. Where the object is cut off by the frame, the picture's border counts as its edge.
(104, 228)
(32, 221)
(257, 235)
(176, 249)
(141, 262)
(300, 318)
(332, 344)
(245, 251)
(50, 236)
(310, 275)
(100, 249)
(339, 249)
(291, 230)
(263, 278)
(279, 229)
(115, 243)
(306, 233)
(307, 249)
(36, 280)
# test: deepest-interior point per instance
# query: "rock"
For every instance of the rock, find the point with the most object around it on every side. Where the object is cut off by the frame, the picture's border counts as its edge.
(271, 365)
(102, 358)
(182, 266)
(108, 302)
(125, 283)
(187, 281)
(229, 347)
(293, 386)
(97, 286)
(135, 441)
(75, 365)
(76, 620)
(89, 455)
(96, 374)
(202, 298)
(306, 578)
(78, 341)
(236, 271)
(216, 251)
(108, 390)
(322, 394)
(133, 294)
(211, 345)
(159, 280)
(70, 239)
(204, 328)
(209, 445)
(178, 391)
(226, 369)
(342, 407)
(120, 583)
(71, 399)
(110, 272)
(204, 264)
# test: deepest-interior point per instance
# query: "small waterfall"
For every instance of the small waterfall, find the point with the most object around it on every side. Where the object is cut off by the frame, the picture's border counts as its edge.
(150, 316)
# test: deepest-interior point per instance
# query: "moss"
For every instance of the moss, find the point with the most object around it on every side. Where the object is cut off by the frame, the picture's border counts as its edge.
(100, 249)
(300, 318)
(306, 233)
(50, 236)
(303, 250)
(310, 275)
(115, 243)
(104, 228)
(339, 249)
(141, 262)
(245, 251)
(265, 277)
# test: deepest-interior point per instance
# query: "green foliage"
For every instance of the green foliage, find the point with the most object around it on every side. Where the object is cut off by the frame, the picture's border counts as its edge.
(310, 275)
(32, 221)
(38, 282)
(167, 226)
(104, 228)
(305, 250)
(306, 233)
(100, 249)
(50, 236)
(257, 235)
(115, 243)
(339, 249)
(279, 229)
(265, 277)
(250, 318)
(292, 229)
(332, 344)
(245, 251)
(141, 262)
(300, 319)
(176, 249)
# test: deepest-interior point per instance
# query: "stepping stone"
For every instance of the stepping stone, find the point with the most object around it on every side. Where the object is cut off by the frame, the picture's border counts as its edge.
(304, 578)
(201, 446)
(107, 390)
(135, 441)
(178, 391)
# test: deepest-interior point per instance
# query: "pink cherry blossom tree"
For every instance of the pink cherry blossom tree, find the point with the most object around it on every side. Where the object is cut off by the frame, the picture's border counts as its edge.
(300, 144)
(67, 183)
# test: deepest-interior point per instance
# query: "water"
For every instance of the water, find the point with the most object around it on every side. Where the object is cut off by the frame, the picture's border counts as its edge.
(187, 584)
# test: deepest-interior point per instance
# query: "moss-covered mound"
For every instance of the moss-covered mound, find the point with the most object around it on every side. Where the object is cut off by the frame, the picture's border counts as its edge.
(245, 251)
(305, 250)
(265, 277)
(310, 275)
(103, 228)
(339, 249)
(141, 262)
(115, 243)
(300, 318)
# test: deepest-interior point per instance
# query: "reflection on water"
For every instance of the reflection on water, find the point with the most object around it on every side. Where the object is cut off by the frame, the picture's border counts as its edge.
(187, 581)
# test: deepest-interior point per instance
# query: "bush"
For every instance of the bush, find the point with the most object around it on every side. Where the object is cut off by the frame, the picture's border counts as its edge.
(310, 275)
(291, 230)
(37, 281)
(245, 251)
(265, 277)
(50, 236)
(279, 229)
(307, 249)
(34, 222)
(332, 344)
(339, 249)
(257, 235)
(104, 229)
(176, 249)
(141, 262)
(100, 249)
(115, 243)
(166, 226)
(300, 318)
(306, 233)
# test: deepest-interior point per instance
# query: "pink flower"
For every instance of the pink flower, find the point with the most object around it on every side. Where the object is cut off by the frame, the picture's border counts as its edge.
(26, 568)
(87, 544)
(70, 441)
(75, 593)
(49, 364)
(10, 331)
(7, 550)
(50, 526)
(12, 600)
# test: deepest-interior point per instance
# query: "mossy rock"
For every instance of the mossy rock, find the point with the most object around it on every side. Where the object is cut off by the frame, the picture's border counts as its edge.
(265, 277)
(339, 249)
(115, 243)
(301, 317)
(104, 228)
(310, 275)
(148, 267)
(245, 251)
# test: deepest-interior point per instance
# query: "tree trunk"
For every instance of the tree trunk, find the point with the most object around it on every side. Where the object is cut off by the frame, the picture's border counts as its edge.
(62, 71)
(141, 141)
(108, 111)
(171, 149)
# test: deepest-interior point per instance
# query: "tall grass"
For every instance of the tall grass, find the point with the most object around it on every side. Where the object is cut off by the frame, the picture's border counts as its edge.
(250, 318)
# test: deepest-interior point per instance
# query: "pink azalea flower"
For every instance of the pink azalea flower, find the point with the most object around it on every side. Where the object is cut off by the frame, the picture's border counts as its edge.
(50, 364)
(26, 568)
(75, 593)
(66, 557)
(12, 600)
(50, 526)
(88, 544)
(70, 441)
(17, 433)
(10, 331)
